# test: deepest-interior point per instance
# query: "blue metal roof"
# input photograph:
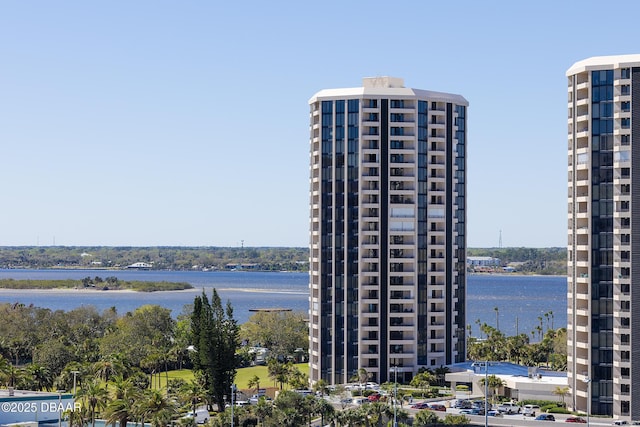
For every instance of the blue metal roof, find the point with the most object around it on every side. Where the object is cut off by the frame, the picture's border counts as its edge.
(502, 368)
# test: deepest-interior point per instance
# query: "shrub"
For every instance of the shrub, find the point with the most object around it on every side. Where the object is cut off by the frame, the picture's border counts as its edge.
(540, 403)
(558, 410)
(551, 407)
(456, 420)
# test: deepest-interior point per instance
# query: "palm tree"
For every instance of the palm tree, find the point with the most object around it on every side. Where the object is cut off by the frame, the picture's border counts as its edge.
(562, 392)
(109, 366)
(152, 363)
(121, 388)
(67, 378)
(423, 381)
(193, 393)
(13, 376)
(156, 408)
(121, 411)
(425, 418)
(77, 418)
(440, 374)
(4, 367)
(324, 409)
(254, 383)
(264, 409)
(40, 376)
(297, 379)
(321, 387)
(94, 395)
(123, 394)
(363, 376)
(278, 372)
(493, 383)
(375, 412)
(353, 417)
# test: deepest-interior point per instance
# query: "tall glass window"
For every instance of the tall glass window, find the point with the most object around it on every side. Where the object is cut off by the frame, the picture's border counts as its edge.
(602, 233)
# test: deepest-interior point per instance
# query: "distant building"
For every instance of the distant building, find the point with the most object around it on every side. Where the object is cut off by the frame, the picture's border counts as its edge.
(519, 382)
(603, 315)
(245, 266)
(140, 265)
(388, 231)
(482, 261)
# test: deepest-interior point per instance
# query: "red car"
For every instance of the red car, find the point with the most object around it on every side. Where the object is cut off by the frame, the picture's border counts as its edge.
(576, 420)
(421, 405)
(374, 397)
(436, 407)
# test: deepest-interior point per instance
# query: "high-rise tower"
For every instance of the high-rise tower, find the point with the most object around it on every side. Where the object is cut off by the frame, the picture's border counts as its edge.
(388, 231)
(603, 318)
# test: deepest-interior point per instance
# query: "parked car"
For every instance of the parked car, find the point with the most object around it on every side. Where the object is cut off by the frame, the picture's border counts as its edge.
(545, 417)
(438, 407)
(201, 416)
(466, 412)
(421, 405)
(576, 420)
(477, 411)
(494, 413)
(530, 410)
(463, 404)
(478, 404)
(509, 408)
(620, 423)
(374, 397)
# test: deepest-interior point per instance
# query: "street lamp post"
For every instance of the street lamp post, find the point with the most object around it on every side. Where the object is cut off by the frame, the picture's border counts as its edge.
(60, 408)
(74, 382)
(486, 391)
(233, 392)
(395, 397)
(588, 381)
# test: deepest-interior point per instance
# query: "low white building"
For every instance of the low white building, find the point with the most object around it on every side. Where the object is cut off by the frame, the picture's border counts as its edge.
(23, 406)
(521, 382)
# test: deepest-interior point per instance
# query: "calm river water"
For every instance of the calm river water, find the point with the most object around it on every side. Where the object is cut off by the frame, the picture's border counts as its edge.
(521, 300)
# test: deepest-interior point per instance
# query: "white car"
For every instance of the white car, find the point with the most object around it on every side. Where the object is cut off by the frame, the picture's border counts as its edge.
(509, 408)
(530, 410)
(201, 415)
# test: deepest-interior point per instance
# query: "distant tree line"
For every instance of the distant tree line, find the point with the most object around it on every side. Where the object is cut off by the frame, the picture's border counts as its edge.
(160, 258)
(548, 261)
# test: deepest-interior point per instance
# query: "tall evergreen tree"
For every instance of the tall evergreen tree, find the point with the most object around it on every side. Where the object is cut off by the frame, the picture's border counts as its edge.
(215, 336)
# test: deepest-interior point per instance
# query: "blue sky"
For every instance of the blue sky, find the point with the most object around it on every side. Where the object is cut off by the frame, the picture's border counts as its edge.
(150, 123)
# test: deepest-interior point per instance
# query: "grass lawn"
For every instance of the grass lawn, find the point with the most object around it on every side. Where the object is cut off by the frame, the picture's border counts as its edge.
(242, 377)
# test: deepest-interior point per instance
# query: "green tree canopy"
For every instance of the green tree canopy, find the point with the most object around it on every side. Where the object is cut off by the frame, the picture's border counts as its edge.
(137, 335)
(280, 332)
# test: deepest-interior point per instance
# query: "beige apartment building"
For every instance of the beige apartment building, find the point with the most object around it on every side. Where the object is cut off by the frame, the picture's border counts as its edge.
(603, 245)
(387, 231)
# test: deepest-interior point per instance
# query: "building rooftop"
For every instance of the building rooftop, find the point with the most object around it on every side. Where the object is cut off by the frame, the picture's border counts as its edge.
(11, 393)
(386, 86)
(604, 62)
(503, 368)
